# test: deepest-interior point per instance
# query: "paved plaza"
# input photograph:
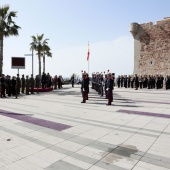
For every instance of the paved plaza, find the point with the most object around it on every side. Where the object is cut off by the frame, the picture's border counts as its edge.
(54, 131)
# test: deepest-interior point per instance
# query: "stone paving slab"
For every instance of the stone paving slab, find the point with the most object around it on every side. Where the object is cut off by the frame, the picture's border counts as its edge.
(54, 131)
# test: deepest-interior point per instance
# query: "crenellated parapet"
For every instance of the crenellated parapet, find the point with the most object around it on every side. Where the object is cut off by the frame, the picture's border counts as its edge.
(151, 47)
(134, 28)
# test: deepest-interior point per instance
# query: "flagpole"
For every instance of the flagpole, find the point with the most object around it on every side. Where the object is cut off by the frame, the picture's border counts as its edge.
(88, 57)
(88, 66)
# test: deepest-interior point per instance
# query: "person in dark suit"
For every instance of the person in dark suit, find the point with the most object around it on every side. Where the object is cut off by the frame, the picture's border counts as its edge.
(118, 81)
(7, 81)
(136, 82)
(32, 82)
(37, 83)
(140, 82)
(43, 80)
(167, 82)
(84, 87)
(128, 79)
(18, 81)
(27, 84)
(105, 86)
(121, 80)
(22, 84)
(2, 81)
(88, 82)
(9, 86)
(161, 81)
(125, 81)
(13, 86)
(59, 82)
(110, 90)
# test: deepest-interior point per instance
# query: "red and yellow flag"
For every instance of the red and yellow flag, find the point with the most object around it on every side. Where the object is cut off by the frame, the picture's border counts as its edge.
(88, 53)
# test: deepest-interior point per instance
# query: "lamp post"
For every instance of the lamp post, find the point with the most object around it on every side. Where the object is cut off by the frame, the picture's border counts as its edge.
(32, 61)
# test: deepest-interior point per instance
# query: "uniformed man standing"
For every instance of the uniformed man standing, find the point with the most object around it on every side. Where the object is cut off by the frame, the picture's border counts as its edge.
(84, 88)
(88, 82)
(47, 80)
(32, 84)
(9, 84)
(167, 84)
(118, 81)
(141, 82)
(136, 82)
(101, 85)
(22, 84)
(18, 81)
(13, 85)
(125, 81)
(161, 81)
(121, 81)
(2, 81)
(105, 86)
(132, 79)
(43, 80)
(27, 85)
(110, 89)
(59, 82)
(129, 81)
(37, 83)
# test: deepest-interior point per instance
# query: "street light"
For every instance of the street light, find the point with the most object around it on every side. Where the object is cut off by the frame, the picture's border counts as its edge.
(32, 61)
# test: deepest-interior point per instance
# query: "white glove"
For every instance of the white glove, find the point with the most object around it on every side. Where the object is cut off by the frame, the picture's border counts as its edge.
(83, 89)
(107, 89)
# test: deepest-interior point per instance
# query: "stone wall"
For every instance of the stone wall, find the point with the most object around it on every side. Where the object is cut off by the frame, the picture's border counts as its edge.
(151, 47)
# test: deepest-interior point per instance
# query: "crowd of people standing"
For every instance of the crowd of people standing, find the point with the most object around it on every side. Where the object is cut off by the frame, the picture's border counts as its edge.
(104, 85)
(146, 81)
(15, 85)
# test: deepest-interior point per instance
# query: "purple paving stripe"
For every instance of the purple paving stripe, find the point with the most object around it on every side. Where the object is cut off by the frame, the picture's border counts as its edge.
(144, 113)
(35, 121)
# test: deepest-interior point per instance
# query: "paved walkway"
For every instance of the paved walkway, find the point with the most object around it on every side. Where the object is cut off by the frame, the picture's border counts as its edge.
(54, 131)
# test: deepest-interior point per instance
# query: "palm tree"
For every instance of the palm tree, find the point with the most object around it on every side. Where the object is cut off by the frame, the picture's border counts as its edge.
(7, 28)
(38, 45)
(46, 51)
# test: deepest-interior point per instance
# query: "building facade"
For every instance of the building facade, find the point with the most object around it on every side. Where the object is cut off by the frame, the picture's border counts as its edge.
(151, 47)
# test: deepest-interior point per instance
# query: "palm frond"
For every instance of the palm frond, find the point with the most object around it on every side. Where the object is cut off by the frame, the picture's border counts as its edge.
(7, 25)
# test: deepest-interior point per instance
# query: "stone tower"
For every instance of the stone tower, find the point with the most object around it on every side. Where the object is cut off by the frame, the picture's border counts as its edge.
(151, 47)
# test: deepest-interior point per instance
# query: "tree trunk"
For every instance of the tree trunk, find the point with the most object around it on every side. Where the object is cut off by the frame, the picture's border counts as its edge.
(39, 59)
(44, 63)
(1, 53)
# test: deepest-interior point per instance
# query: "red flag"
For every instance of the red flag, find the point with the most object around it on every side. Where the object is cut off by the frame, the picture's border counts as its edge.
(88, 53)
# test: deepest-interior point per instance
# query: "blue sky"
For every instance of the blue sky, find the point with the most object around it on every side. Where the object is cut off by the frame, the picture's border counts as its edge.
(70, 24)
